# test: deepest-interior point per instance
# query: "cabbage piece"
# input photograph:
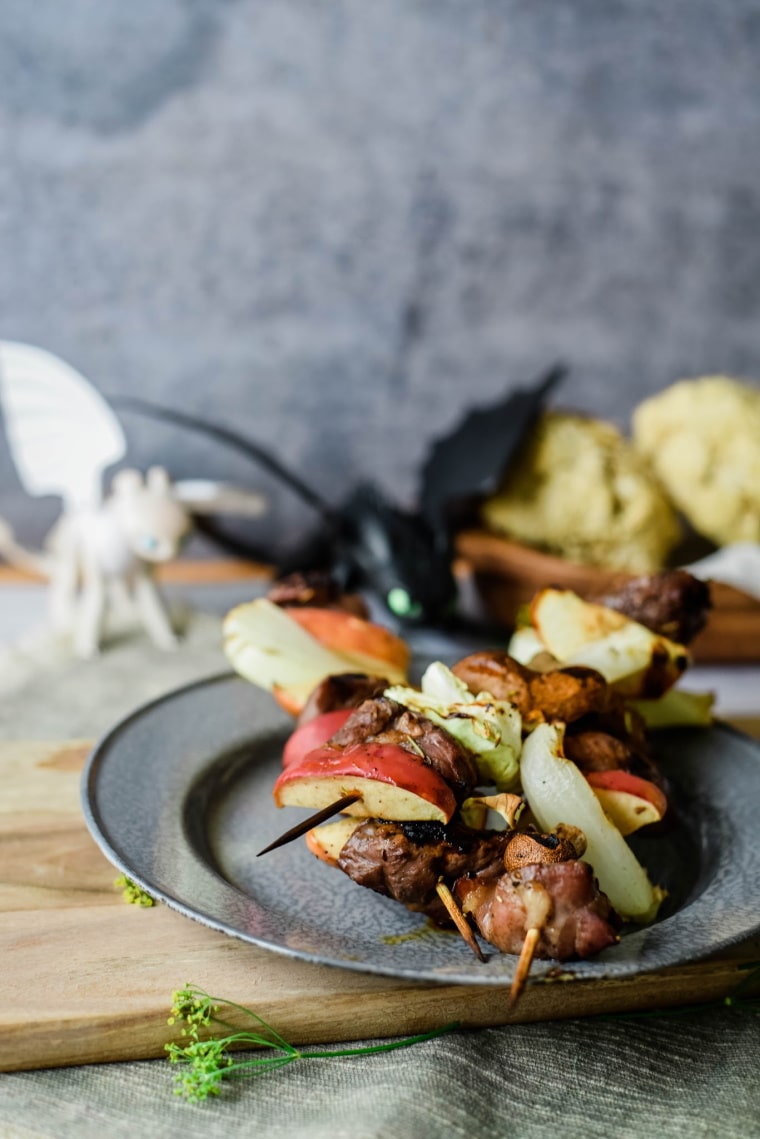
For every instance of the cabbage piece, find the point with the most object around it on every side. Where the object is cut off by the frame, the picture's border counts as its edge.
(490, 729)
(677, 708)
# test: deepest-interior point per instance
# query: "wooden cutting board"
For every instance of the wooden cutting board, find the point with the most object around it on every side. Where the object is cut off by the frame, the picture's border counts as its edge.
(89, 978)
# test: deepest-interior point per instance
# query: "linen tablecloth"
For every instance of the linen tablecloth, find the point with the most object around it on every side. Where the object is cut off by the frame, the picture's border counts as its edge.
(692, 1072)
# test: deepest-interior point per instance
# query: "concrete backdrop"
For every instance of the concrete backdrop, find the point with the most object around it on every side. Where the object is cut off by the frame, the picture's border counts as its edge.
(337, 223)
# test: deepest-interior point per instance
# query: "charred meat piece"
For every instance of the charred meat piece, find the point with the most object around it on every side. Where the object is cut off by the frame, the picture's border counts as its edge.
(564, 694)
(404, 861)
(599, 751)
(345, 690)
(381, 720)
(569, 693)
(526, 848)
(441, 751)
(367, 721)
(314, 588)
(672, 603)
(498, 674)
(614, 740)
(561, 899)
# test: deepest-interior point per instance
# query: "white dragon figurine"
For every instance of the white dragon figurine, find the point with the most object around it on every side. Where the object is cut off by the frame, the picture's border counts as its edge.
(104, 548)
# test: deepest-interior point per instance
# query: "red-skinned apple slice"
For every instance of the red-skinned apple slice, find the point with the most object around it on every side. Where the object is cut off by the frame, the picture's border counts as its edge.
(393, 784)
(629, 801)
(374, 649)
(327, 842)
(313, 734)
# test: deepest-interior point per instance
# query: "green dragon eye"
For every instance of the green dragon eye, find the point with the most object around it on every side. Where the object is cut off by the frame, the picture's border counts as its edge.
(401, 603)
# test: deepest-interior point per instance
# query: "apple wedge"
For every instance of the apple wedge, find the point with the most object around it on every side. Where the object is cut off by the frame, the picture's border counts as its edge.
(629, 801)
(274, 649)
(371, 648)
(327, 842)
(313, 734)
(636, 661)
(392, 783)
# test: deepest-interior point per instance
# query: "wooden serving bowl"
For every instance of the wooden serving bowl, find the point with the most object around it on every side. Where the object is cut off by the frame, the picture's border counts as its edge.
(506, 575)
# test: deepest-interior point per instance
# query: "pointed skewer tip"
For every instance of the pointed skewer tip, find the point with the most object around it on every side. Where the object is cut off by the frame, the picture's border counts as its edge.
(458, 918)
(523, 966)
(312, 821)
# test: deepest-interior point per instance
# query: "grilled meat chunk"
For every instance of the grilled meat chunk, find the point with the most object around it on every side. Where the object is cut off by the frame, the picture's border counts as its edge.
(564, 694)
(370, 718)
(381, 720)
(317, 588)
(613, 741)
(599, 751)
(404, 861)
(672, 603)
(344, 690)
(561, 899)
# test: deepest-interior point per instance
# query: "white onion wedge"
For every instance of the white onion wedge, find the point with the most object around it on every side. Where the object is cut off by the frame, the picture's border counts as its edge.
(558, 793)
(266, 646)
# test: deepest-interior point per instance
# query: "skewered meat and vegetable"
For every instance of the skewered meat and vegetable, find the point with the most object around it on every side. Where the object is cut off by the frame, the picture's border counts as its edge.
(508, 882)
(427, 764)
(564, 694)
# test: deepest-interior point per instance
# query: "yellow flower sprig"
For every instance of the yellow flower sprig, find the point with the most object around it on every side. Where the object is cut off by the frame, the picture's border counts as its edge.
(206, 1062)
(132, 893)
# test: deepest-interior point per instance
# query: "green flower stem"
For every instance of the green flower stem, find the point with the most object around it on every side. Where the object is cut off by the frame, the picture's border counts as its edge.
(389, 1046)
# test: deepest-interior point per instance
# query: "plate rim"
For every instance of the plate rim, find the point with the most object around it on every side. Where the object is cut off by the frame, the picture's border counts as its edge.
(575, 970)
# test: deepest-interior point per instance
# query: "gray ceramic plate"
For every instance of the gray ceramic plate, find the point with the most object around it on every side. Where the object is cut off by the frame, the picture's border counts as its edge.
(178, 796)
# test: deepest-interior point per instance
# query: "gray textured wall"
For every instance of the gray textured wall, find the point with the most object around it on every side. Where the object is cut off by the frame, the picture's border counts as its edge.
(337, 222)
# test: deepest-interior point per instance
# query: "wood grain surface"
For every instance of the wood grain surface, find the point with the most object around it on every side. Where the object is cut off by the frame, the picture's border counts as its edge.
(182, 571)
(88, 978)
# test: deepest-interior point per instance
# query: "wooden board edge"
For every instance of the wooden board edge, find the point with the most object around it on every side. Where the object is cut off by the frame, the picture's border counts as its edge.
(380, 1014)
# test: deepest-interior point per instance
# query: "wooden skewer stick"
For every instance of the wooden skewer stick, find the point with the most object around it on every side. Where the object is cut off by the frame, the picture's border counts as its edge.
(523, 965)
(312, 821)
(458, 918)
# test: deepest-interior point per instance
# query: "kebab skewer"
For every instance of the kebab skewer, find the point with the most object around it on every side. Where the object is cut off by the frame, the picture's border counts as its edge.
(408, 857)
(571, 713)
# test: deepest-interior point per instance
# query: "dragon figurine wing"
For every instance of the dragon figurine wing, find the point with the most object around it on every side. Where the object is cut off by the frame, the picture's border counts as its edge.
(61, 432)
(472, 459)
